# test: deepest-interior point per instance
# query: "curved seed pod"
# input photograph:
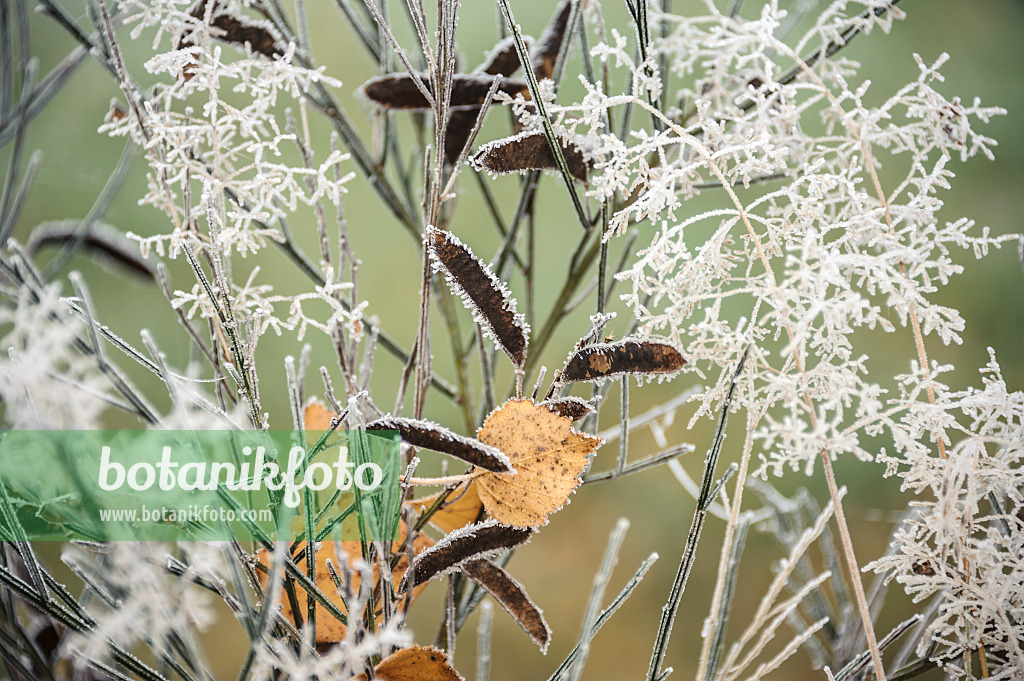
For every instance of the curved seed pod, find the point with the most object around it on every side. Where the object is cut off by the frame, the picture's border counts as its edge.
(437, 438)
(238, 30)
(544, 54)
(482, 292)
(572, 408)
(470, 543)
(399, 91)
(529, 151)
(457, 132)
(512, 597)
(602, 360)
(101, 240)
(503, 60)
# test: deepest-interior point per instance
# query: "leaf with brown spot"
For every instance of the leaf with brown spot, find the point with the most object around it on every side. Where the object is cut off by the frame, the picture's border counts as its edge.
(434, 437)
(547, 454)
(462, 507)
(482, 292)
(572, 408)
(543, 56)
(399, 90)
(602, 360)
(418, 663)
(116, 112)
(329, 629)
(512, 597)
(529, 151)
(468, 543)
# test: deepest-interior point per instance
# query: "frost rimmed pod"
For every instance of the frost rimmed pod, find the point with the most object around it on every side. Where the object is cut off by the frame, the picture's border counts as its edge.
(513, 597)
(400, 91)
(628, 356)
(548, 454)
(493, 306)
(572, 408)
(472, 542)
(429, 435)
(531, 151)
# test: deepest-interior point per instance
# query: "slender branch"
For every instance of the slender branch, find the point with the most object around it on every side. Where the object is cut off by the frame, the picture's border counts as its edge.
(668, 613)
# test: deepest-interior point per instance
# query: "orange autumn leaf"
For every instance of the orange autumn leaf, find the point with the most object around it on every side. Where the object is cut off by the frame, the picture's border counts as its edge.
(462, 508)
(548, 456)
(329, 629)
(317, 417)
(418, 663)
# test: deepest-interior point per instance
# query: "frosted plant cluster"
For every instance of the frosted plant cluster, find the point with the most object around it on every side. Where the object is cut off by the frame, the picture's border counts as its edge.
(965, 539)
(138, 600)
(40, 362)
(217, 119)
(829, 230)
(810, 249)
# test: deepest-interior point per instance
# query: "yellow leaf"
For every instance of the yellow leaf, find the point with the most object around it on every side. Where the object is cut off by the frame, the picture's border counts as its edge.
(317, 416)
(415, 664)
(548, 456)
(329, 629)
(462, 508)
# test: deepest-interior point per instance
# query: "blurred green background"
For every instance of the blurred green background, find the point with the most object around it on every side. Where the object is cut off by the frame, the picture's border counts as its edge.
(557, 567)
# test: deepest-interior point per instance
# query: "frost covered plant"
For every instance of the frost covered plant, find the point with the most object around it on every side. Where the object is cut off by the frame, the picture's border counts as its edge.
(133, 598)
(808, 249)
(41, 361)
(777, 292)
(217, 120)
(964, 539)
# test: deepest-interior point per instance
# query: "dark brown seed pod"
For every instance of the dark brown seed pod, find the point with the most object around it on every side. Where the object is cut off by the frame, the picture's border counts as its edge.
(482, 292)
(237, 30)
(469, 543)
(623, 357)
(572, 408)
(399, 90)
(101, 241)
(529, 151)
(460, 126)
(503, 60)
(437, 438)
(544, 54)
(512, 597)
